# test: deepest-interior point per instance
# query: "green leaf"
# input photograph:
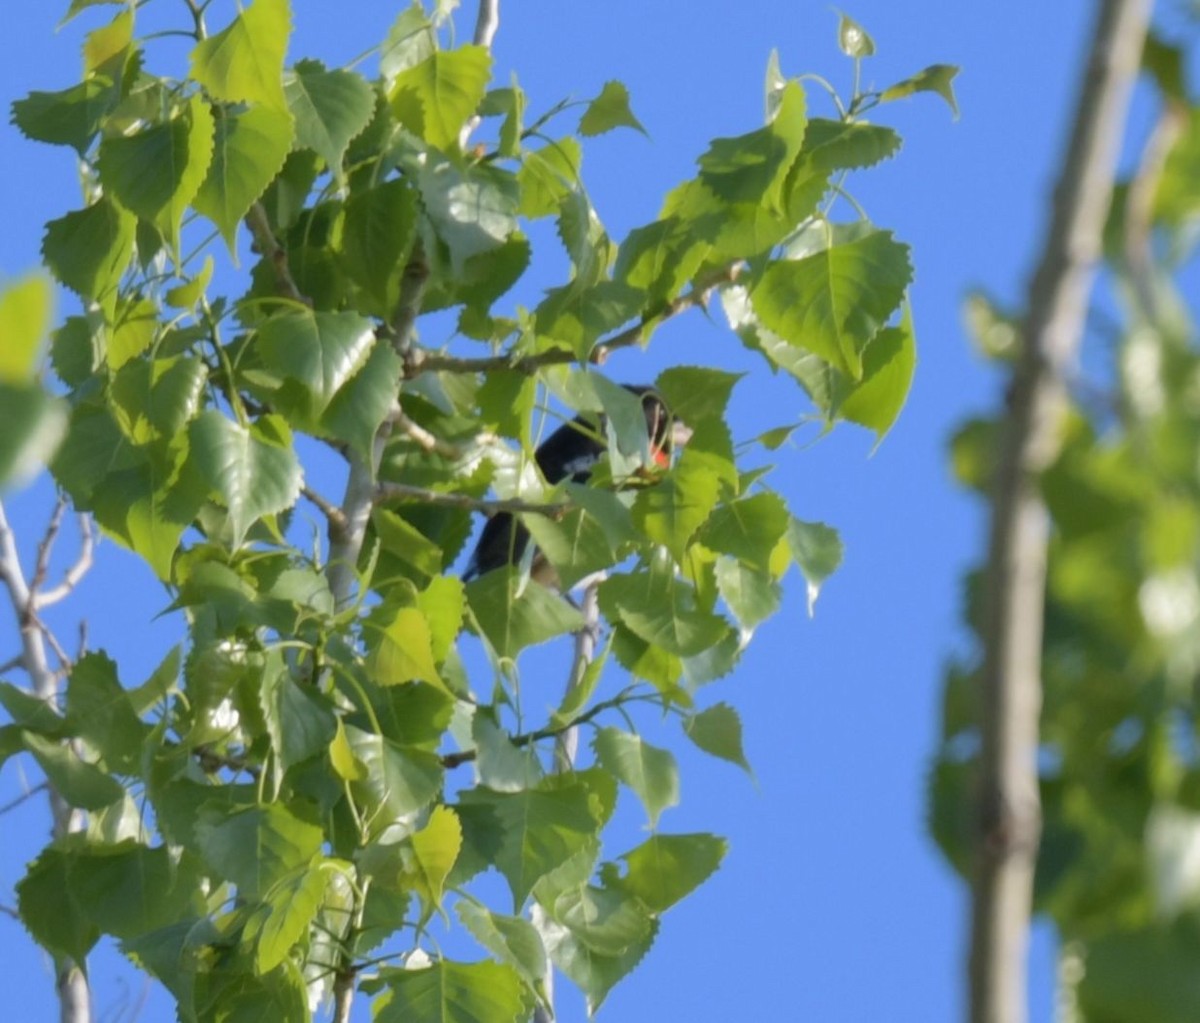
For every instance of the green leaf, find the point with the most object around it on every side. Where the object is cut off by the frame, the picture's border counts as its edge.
(50, 911)
(842, 145)
(449, 992)
(650, 772)
(753, 595)
(249, 149)
(834, 302)
(409, 41)
(1143, 974)
(257, 847)
(666, 868)
(320, 351)
(748, 529)
(401, 648)
(576, 545)
(100, 711)
(750, 167)
(853, 40)
(511, 939)
(377, 237)
(89, 249)
(26, 307)
(818, 552)
(128, 890)
(473, 209)
(500, 763)
(81, 784)
(32, 424)
(609, 110)
(548, 175)
(435, 848)
(434, 98)
(888, 366)
(937, 78)
(514, 613)
(401, 538)
(661, 609)
(718, 730)
(71, 117)
(284, 917)
(156, 172)
(595, 974)
(399, 780)
(531, 832)
(695, 394)
(672, 511)
(299, 721)
(244, 62)
(254, 471)
(154, 399)
(330, 108)
(27, 711)
(360, 407)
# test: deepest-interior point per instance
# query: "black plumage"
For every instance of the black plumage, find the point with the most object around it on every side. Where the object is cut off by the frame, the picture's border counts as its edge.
(569, 453)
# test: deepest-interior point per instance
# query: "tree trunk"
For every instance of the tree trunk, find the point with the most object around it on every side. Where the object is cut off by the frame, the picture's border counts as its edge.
(1009, 824)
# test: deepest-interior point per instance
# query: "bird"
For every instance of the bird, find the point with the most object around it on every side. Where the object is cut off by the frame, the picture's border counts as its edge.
(570, 453)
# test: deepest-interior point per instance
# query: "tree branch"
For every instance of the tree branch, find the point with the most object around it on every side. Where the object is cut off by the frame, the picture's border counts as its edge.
(73, 575)
(337, 521)
(74, 997)
(1009, 825)
(420, 362)
(268, 245)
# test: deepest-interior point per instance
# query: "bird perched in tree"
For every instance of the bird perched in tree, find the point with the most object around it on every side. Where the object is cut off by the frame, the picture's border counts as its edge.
(570, 453)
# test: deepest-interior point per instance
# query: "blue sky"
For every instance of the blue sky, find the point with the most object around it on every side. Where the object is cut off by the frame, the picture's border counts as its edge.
(833, 903)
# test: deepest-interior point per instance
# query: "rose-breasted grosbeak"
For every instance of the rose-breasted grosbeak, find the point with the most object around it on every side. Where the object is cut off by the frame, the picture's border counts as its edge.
(570, 453)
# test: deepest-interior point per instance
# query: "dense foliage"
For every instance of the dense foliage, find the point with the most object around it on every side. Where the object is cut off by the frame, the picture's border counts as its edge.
(1120, 771)
(351, 735)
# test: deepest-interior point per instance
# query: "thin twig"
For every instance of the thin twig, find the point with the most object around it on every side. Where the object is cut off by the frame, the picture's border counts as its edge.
(11, 663)
(12, 804)
(1139, 203)
(420, 362)
(73, 575)
(436, 445)
(387, 493)
(451, 760)
(41, 562)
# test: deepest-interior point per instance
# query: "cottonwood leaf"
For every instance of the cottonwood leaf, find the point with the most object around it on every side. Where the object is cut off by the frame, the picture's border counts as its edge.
(434, 98)
(257, 847)
(249, 149)
(514, 613)
(834, 302)
(449, 992)
(254, 470)
(320, 351)
(666, 868)
(609, 110)
(329, 107)
(718, 730)
(649, 771)
(244, 62)
(284, 917)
